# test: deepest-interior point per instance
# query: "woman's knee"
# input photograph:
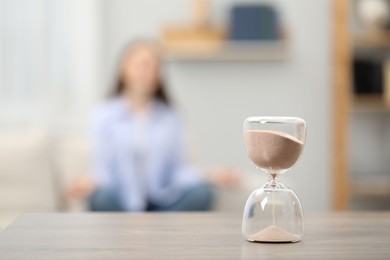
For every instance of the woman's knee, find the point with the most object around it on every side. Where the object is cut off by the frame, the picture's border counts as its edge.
(104, 199)
(200, 197)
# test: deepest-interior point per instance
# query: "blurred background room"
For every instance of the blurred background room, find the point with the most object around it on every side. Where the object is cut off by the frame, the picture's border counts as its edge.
(224, 60)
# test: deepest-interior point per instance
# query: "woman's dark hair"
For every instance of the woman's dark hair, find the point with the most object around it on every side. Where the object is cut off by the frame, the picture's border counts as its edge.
(119, 85)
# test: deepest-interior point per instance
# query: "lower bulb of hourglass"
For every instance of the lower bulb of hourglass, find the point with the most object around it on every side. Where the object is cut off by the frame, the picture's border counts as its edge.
(273, 213)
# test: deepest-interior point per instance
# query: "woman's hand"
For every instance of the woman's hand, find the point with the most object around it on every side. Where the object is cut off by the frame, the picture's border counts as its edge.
(224, 177)
(80, 188)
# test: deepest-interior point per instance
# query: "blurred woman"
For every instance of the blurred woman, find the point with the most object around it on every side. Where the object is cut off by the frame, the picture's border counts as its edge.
(139, 162)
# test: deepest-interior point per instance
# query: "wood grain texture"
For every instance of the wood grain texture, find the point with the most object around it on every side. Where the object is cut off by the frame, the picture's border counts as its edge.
(188, 236)
(342, 103)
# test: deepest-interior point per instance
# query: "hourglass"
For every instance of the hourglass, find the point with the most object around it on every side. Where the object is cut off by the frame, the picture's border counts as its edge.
(273, 213)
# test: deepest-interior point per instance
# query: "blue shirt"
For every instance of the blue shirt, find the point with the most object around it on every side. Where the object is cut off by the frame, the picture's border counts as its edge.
(140, 159)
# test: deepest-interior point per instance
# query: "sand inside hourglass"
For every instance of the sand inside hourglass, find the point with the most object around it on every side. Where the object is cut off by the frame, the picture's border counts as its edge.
(274, 234)
(274, 151)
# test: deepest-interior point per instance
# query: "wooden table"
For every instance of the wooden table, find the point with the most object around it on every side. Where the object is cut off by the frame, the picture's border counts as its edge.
(188, 236)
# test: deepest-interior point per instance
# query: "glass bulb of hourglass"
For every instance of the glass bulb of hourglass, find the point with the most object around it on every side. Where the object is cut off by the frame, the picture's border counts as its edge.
(273, 212)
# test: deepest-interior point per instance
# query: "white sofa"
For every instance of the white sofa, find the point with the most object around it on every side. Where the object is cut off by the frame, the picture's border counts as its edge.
(36, 166)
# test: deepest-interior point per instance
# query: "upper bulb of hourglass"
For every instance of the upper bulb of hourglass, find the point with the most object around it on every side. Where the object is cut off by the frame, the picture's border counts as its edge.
(272, 151)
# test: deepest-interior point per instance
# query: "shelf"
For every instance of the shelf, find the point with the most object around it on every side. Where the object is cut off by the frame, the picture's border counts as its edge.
(375, 39)
(227, 51)
(368, 103)
(372, 186)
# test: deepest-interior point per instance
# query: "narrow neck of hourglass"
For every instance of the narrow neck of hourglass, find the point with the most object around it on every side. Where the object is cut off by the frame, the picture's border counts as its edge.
(273, 177)
(273, 180)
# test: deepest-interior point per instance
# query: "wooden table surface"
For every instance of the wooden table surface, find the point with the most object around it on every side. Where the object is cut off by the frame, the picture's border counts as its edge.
(188, 236)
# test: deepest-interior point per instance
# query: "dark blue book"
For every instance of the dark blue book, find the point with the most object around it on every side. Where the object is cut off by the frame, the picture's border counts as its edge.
(368, 76)
(253, 22)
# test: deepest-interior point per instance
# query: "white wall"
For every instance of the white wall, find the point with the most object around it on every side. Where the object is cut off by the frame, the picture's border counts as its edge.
(215, 98)
(50, 61)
